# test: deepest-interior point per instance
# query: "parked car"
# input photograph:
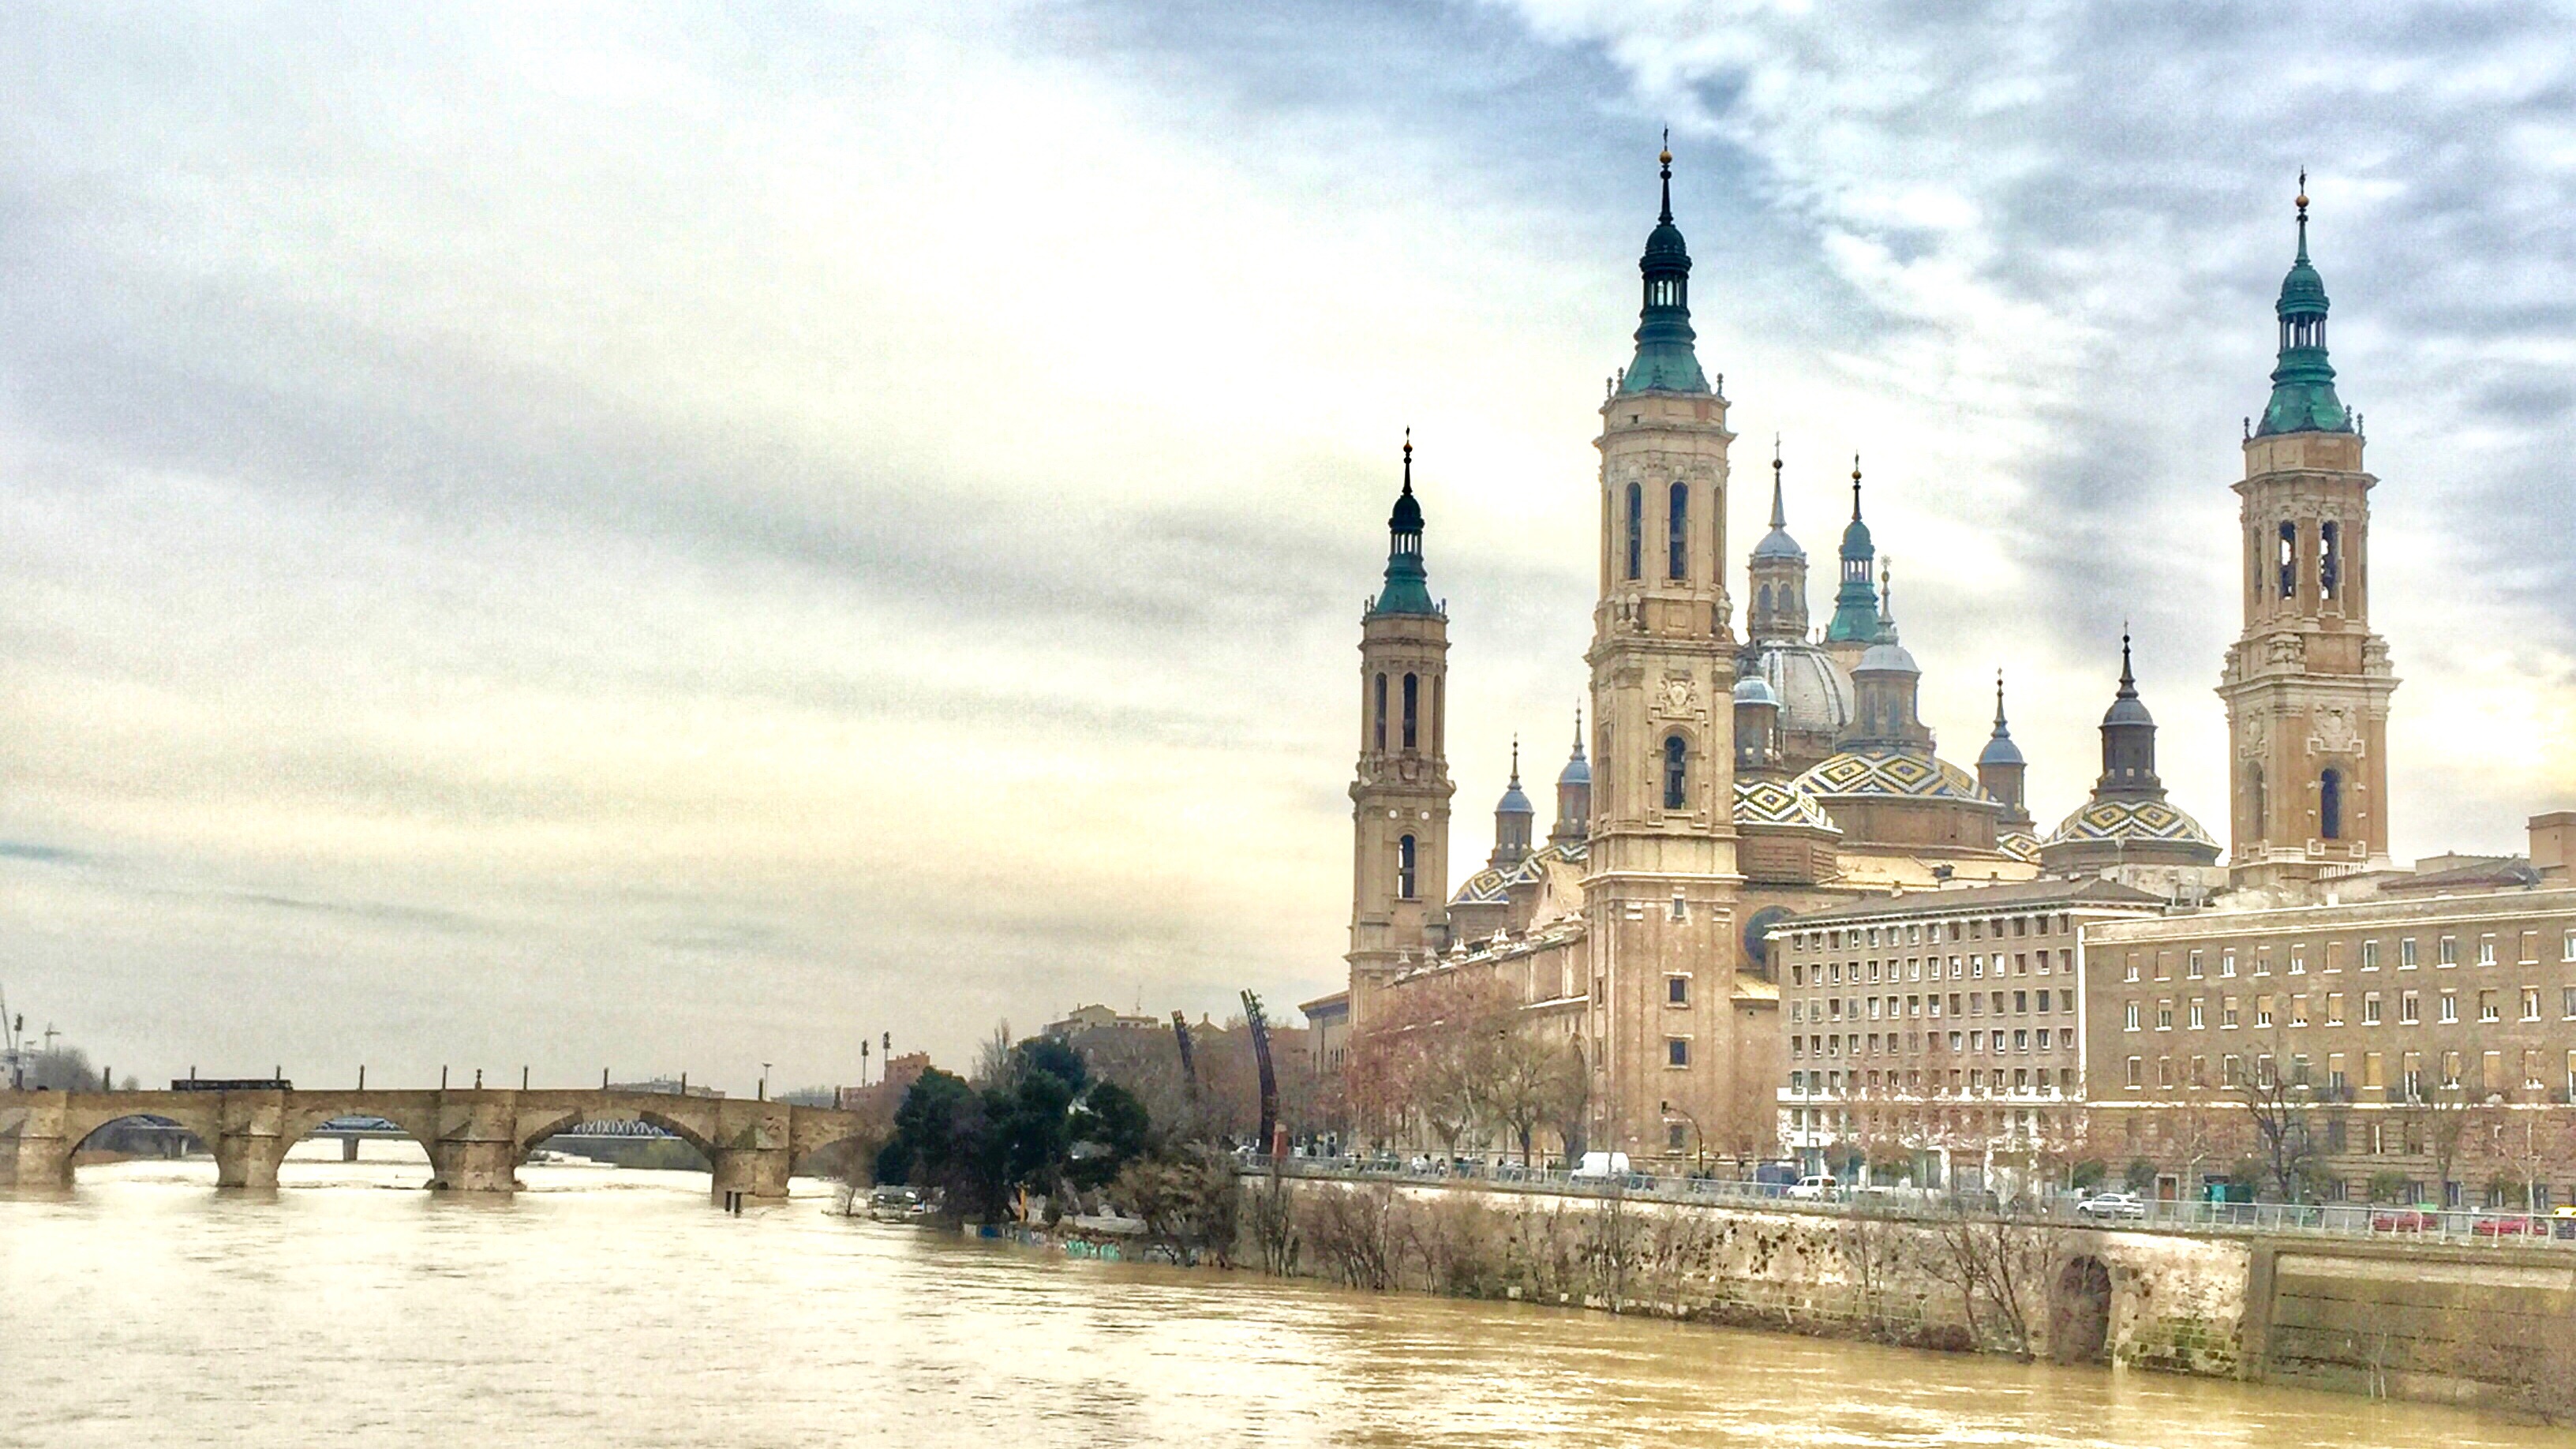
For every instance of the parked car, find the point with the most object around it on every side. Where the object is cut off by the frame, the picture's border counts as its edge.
(2406, 1220)
(1600, 1167)
(1813, 1189)
(2562, 1223)
(2509, 1228)
(2112, 1205)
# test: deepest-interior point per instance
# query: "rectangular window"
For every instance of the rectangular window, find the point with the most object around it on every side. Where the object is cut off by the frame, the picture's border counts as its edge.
(2486, 950)
(2196, 1022)
(2370, 1009)
(2487, 1006)
(1677, 990)
(2371, 1066)
(2531, 948)
(2567, 1002)
(2370, 955)
(2448, 952)
(2334, 1008)
(1676, 1051)
(2231, 1070)
(2227, 963)
(2130, 971)
(2450, 1006)
(2298, 1011)
(2531, 1003)
(2567, 947)
(2406, 953)
(2334, 955)
(2191, 966)
(2227, 1013)
(2262, 960)
(2299, 959)
(2262, 1011)
(2409, 1011)
(2164, 1016)
(2138, 1071)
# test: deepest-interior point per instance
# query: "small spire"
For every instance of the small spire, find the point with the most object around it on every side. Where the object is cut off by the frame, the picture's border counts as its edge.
(1855, 487)
(2128, 681)
(1886, 590)
(1408, 460)
(1578, 729)
(1516, 762)
(1779, 515)
(2303, 213)
(1667, 160)
(2000, 731)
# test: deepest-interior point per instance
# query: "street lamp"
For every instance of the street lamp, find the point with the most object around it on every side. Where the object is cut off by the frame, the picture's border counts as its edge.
(1699, 1156)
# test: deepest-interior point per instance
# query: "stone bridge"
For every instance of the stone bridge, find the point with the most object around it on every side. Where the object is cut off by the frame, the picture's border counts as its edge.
(475, 1139)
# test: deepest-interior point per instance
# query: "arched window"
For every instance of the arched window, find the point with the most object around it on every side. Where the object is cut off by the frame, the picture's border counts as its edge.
(2289, 560)
(2260, 802)
(1404, 867)
(1636, 530)
(1412, 708)
(2329, 559)
(1765, 598)
(2330, 805)
(1380, 735)
(1676, 773)
(1677, 533)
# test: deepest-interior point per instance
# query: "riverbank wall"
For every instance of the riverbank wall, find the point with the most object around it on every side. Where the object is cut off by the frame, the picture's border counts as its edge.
(2485, 1327)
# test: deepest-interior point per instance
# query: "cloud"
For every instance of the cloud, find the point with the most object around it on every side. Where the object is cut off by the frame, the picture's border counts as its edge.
(693, 539)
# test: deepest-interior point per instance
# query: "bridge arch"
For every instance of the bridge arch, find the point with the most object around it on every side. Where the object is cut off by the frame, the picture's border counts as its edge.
(2079, 1320)
(555, 1123)
(303, 1121)
(815, 1138)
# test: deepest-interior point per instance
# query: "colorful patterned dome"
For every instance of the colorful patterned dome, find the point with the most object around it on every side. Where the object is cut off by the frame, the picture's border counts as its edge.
(1876, 771)
(2117, 819)
(1772, 802)
(1492, 887)
(2019, 844)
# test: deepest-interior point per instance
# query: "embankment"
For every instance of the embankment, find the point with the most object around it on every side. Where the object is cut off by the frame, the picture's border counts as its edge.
(2489, 1327)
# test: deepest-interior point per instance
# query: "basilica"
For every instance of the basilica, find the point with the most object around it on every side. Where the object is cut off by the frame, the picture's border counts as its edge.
(1723, 782)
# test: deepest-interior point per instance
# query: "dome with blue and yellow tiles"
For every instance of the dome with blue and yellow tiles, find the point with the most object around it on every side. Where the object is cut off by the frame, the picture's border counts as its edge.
(1779, 802)
(1879, 771)
(2127, 820)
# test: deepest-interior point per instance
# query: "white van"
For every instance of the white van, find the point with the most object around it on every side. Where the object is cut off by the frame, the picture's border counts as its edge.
(1814, 1189)
(1601, 1167)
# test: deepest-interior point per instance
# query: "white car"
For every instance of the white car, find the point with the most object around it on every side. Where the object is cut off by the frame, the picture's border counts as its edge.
(1813, 1189)
(2112, 1205)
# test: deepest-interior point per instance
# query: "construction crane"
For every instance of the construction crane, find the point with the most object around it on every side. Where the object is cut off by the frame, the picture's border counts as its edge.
(13, 1049)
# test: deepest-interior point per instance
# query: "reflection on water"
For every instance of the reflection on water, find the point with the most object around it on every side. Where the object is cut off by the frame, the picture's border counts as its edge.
(617, 1308)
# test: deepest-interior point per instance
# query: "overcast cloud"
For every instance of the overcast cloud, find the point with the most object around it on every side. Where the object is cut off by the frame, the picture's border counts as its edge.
(628, 537)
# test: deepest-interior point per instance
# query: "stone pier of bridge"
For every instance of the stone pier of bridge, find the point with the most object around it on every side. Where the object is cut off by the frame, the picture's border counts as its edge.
(475, 1139)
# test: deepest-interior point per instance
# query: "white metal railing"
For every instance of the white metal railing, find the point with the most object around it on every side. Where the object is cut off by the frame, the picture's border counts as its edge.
(2371, 1221)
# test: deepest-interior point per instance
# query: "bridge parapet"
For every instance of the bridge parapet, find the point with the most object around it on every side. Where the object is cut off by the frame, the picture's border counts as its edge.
(475, 1139)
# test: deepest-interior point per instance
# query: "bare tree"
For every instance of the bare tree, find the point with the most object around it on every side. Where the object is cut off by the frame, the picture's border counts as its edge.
(2279, 1112)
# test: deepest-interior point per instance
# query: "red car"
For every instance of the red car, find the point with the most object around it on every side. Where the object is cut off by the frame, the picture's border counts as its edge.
(2509, 1227)
(2406, 1220)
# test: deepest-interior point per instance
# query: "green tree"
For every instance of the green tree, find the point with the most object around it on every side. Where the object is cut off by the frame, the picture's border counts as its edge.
(945, 1139)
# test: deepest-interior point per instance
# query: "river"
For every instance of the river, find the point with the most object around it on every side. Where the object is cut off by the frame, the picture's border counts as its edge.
(612, 1308)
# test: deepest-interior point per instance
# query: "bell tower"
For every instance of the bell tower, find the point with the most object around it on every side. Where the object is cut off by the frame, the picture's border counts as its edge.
(2307, 683)
(1400, 791)
(1660, 878)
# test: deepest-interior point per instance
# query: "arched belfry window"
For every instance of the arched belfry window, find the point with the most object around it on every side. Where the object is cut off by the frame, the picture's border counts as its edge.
(1636, 530)
(2288, 560)
(1676, 773)
(1404, 866)
(1677, 533)
(1380, 715)
(1764, 599)
(2330, 805)
(2329, 559)
(2259, 802)
(1412, 709)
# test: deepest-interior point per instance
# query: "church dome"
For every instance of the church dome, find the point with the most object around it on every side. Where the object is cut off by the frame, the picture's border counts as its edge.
(1772, 802)
(1513, 801)
(2001, 751)
(1814, 693)
(1778, 544)
(2132, 821)
(2019, 844)
(1577, 771)
(1752, 689)
(1879, 771)
(1888, 658)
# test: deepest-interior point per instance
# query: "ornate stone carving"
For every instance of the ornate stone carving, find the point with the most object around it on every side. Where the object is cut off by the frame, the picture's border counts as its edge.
(1679, 697)
(2289, 650)
(2252, 740)
(2332, 731)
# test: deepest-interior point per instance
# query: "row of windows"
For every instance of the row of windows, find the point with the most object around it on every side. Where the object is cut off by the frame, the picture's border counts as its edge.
(2490, 1007)
(1958, 1082)
(2446, 952)
(1972, 967)
(1912, 933)
(1676, 531)
(1832, 1008)
(2474, 1074)
(1412, 716)
(1973, 1043)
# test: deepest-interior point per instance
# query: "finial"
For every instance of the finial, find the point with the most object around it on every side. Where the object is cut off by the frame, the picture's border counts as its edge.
(2128, 681)
(1779, 515)
(1516, 762)
(1999, 702)
(1578, 729)
(2249, 427)
(2303, 213)
(1408, 460)
(1855, 487)
(1666, 159)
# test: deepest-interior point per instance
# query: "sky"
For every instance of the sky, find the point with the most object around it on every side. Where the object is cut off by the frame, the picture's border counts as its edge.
(655, 539)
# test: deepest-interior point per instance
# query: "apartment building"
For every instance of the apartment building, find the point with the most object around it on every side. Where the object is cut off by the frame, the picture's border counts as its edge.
(1940, 1036)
